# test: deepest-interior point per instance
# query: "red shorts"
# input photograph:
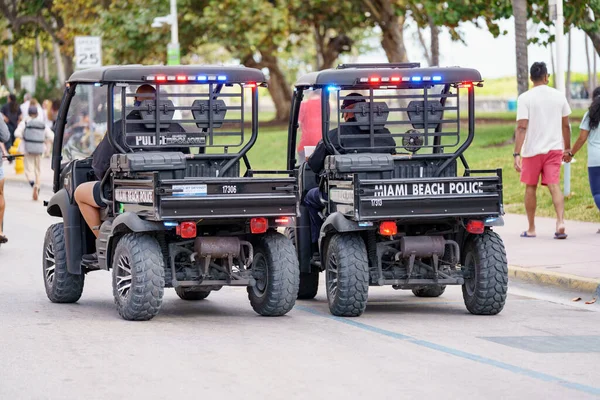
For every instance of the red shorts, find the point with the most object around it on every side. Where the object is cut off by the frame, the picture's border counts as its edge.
(547, 165)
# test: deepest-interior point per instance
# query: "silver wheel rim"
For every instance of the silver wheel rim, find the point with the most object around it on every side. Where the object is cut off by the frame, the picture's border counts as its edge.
(332, 275)
(471, 283)
(50, 264)
(260, 274)
(124, 277)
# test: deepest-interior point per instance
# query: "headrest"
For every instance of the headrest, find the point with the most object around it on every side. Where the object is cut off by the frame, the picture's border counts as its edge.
(201, 112)
(380, 114)
(416, 113)
(165, 113)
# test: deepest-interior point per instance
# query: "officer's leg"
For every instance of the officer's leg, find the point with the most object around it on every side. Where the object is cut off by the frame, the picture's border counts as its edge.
(312, 201)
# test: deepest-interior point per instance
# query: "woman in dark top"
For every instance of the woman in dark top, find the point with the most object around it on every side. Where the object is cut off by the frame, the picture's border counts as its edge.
(12, 115)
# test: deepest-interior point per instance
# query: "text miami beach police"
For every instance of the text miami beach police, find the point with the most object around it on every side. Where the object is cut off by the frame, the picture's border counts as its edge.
(428, 189)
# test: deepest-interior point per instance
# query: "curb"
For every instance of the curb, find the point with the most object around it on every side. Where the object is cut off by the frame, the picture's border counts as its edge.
(549, 278)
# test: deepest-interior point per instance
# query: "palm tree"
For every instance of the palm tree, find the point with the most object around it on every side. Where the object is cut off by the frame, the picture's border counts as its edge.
(520, 15)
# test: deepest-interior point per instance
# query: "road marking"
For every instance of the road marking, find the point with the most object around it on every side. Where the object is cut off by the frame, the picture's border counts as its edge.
(455, 352)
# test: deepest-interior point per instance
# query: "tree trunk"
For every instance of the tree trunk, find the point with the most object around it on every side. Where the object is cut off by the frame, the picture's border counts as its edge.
(594, 72)
(435, 42)
(520, 15)
(425, 47)
(568, 84)
(552, 64)
(392, 29)
(60, 68)
(320, 45)
(278, 87)
(46, 67)
(590, 83)
(40, 57)
(68, 63)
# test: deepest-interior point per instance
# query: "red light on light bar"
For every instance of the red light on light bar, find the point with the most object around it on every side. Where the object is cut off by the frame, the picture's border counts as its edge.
(181, 78)
(466, 85)
(374, 79)
(282, 220)
(161, 78)
(395, 79)
(250, 85)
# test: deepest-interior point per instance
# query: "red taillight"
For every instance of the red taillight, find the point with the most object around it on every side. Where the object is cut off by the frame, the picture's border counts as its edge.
(475, 227)
(258, 225)
(181, 78)
(186, 230)
(161, 78)
(282, 220)
(388, 228)
(395, 79)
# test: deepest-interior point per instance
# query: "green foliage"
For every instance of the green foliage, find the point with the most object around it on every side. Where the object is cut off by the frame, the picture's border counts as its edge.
(47, 90)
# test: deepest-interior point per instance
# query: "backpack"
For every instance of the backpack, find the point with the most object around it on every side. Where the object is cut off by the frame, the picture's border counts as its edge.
(34, 137)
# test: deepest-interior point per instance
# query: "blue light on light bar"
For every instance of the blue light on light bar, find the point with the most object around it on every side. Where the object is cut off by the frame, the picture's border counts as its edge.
(221, 77)
(170, 223)
(202, 78)
(437, 78)
(97, 84)
(332, 88)
(416, 79)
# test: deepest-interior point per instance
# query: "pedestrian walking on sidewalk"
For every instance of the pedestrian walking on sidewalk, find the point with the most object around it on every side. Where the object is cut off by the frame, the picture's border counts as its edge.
(589, 131)
(4, 138)
(12, 115)
(34, 134)
(543, 138)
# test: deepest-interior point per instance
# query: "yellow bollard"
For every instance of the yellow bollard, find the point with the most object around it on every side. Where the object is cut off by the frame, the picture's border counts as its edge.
(19, 168)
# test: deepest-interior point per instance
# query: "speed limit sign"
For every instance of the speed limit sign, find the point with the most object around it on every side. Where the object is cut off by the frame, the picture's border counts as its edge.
(88, 52)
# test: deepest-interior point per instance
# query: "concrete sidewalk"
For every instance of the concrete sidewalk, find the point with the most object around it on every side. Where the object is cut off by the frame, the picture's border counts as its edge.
(47, 174)
(573, 263)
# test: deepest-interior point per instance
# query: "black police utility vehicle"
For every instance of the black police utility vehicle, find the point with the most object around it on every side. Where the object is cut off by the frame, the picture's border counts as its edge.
(184, 207)
(413, 215)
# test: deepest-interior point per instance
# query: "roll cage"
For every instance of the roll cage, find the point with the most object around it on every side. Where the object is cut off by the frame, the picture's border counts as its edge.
(203, 122)
(397, 83)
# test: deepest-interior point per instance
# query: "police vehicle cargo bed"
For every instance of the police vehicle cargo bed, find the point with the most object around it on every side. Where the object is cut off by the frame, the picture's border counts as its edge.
(401, 187)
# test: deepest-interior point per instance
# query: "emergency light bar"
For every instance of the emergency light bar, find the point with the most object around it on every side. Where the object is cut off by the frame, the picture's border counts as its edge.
(185, 78)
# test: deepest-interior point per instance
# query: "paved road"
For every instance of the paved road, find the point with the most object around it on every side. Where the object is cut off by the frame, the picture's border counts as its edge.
(403, 347)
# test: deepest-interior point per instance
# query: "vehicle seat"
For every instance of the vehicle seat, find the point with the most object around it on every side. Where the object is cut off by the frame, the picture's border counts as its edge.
(366, 165)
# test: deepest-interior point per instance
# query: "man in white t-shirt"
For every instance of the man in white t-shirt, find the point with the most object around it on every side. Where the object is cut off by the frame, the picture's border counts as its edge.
(543, 137)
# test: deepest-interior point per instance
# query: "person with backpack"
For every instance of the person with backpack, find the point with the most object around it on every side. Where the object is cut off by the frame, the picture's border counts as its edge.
(34, 134)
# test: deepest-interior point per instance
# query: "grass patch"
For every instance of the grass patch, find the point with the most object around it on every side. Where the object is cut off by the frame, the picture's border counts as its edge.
(271, 147)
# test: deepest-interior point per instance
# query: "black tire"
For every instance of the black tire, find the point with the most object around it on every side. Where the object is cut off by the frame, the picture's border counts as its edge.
(484, 292)
(309, 281)
(140, 256)
(189, 295)
(275, 269)
(429, 291)
(61, 286)
(347, 275)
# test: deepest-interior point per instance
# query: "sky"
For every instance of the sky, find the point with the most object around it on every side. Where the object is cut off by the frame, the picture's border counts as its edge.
(493, 57)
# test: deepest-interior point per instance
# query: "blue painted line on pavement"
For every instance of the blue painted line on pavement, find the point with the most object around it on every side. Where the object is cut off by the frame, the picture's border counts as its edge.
(458, 353)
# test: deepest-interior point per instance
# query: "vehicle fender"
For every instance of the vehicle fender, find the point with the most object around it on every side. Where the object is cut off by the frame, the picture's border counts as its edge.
(60, 206)
(131, 222)
(338, 223)
(124, 223)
